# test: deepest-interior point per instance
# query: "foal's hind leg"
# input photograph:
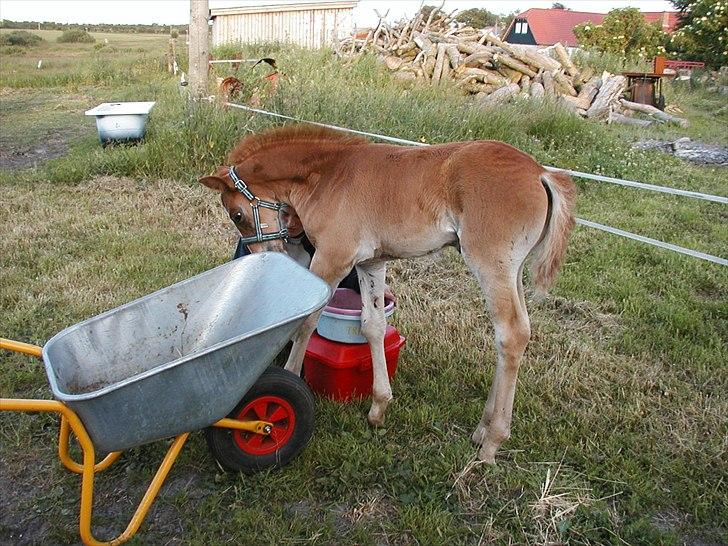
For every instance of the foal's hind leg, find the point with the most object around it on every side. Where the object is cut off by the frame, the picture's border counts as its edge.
(373, 327)
(500, 282)
(482, 428)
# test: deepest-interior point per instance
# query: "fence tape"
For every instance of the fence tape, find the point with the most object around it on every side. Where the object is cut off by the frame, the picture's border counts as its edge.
(588, 223)
(643, 186)
(654, 242)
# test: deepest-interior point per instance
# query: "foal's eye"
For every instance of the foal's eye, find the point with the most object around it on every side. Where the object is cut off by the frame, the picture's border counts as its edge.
(237, 217)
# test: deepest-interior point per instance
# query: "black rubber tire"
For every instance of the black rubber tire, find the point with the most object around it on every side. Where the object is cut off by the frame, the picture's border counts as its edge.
(276, 382)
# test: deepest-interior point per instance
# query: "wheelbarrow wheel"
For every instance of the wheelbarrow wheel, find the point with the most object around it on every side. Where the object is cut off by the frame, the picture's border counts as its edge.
(280, 398)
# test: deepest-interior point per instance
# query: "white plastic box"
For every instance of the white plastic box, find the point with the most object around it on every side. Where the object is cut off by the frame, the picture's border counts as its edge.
(121, 121)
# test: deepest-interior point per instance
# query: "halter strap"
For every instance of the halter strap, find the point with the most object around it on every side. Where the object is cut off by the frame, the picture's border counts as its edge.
(255, 204)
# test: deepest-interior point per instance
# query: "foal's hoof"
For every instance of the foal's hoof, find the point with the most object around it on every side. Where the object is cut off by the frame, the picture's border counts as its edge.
(487, 454)
(376, 413)
(479, 435)
(376, 420)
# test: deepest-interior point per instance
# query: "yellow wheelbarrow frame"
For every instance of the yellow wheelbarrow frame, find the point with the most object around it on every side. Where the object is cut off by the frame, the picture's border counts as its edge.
(88, 469)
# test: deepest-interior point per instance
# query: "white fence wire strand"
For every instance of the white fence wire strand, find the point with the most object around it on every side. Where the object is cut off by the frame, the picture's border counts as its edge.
(577, 174)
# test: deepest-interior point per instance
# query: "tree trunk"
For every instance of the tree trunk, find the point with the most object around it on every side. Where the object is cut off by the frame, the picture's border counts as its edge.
(652, 111)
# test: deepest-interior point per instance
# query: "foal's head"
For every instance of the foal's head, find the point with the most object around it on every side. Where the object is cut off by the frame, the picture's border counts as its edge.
(240, 209)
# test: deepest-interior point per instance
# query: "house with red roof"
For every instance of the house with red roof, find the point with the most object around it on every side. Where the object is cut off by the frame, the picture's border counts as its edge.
(545, 27)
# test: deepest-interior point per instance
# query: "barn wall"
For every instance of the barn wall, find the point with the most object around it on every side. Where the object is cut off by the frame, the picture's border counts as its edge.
(313, 28)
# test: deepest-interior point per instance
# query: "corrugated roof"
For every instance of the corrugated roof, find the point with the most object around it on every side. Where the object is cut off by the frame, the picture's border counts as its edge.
(549, 26)
(229, 8)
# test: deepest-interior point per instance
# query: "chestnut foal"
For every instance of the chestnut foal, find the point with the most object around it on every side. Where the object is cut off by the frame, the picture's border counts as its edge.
(362, 204)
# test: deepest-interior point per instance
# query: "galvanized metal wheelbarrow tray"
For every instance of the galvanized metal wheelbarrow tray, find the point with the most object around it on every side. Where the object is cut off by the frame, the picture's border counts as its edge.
(169, 363)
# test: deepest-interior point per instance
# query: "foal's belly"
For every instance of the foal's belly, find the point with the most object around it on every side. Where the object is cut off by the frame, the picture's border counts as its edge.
(411, 245)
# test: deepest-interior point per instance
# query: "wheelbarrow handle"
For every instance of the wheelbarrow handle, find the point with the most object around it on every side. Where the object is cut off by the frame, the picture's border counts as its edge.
(20, 347)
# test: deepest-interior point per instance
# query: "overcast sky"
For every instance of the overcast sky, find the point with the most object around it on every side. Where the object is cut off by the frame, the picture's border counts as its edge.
(177, 11)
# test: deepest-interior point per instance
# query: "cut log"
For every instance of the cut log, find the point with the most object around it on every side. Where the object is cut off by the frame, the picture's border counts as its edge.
(428, 65)
(548, 85)
(563, 57)
(475, 87)
(540, 61)
(616, 117)
(513, 51)
(510, 62)
(393, 62)
(421, 41)
(501, 95)
(526, 84)
(468, 37)
(406, 48)
(453, 56)
(564, 83)
(403, 34)
(480, 57)
(608, 96)
(654, 112)
(439, 63)
(469, 48)
(486, 76)
(537, 91)
(588, 91)
(586, 74)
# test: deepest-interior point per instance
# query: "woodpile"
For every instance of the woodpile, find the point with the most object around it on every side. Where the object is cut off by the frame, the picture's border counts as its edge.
(436, 49)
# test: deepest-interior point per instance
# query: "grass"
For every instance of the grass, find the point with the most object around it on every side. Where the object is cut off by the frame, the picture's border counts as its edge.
(620, 423)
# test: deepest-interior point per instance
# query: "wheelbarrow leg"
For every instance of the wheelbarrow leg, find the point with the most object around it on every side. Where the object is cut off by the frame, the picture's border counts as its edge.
(89, 468)
(146, 502)
(65, 455)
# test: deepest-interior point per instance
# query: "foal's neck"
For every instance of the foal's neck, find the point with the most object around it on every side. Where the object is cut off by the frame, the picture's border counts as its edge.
(292, 170)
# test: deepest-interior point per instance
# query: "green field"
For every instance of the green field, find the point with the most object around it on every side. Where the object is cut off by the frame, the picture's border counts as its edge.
(620, 423)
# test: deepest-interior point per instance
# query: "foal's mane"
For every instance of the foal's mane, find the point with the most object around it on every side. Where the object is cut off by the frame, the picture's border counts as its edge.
(290, 134)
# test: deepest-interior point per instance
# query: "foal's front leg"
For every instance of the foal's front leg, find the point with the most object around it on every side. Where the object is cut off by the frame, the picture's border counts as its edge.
(332, 273)
(373, 327)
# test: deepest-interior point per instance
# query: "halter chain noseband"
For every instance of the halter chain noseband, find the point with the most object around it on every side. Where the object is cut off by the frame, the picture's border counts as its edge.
(255, 204)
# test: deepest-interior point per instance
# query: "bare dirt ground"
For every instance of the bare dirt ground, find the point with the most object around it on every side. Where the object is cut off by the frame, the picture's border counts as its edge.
(39, 125)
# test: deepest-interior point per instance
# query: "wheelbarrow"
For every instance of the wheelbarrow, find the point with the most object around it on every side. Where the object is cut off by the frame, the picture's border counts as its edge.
(190, 356)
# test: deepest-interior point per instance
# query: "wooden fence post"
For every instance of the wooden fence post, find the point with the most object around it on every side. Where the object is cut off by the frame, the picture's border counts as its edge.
(199, 48)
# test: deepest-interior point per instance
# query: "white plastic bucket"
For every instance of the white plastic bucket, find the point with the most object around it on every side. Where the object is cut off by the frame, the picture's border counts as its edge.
(341, 318)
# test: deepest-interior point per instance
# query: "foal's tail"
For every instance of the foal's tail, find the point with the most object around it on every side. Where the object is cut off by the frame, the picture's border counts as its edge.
(549, 252)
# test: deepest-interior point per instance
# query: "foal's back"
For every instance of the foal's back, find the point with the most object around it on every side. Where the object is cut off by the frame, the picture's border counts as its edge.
(416, 200)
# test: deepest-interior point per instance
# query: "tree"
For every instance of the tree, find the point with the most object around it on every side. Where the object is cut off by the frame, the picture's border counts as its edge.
(558, 5)
(702, 33)
(624, 32)
(477, 18)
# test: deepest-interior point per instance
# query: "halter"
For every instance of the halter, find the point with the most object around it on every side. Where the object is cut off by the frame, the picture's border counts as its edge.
(255, 204)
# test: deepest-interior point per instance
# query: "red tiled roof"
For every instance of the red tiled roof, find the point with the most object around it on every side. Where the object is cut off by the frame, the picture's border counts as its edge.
(555, 25)
(668, 19)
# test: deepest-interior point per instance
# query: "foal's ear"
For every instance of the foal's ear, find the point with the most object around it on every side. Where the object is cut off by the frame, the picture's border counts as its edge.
(214, 183)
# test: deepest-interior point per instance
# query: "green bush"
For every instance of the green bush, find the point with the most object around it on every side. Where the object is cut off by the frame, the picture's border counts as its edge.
(21, 38)
(623, 32)
(76, 36)
(701, 33)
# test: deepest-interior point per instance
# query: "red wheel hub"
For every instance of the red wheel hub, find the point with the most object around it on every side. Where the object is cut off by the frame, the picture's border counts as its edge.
(276, 411)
